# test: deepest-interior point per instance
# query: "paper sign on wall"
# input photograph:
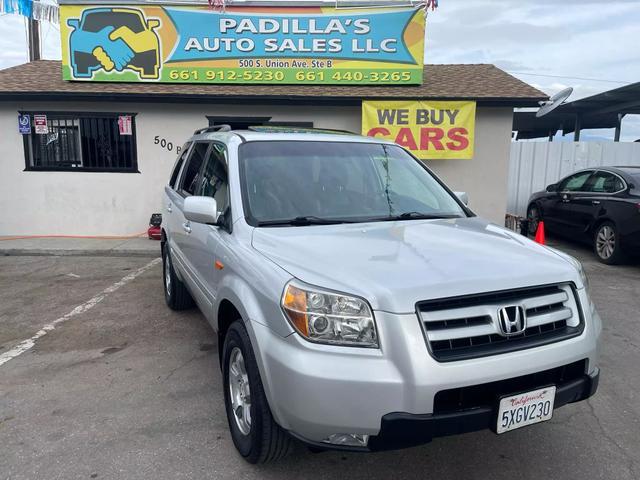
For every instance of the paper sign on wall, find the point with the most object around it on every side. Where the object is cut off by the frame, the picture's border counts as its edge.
(430, 130)
(24, 124)
(124, 124)
(40, 122)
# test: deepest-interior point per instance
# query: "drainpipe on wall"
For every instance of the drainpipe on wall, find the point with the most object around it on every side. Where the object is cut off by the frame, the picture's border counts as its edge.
(34, 39)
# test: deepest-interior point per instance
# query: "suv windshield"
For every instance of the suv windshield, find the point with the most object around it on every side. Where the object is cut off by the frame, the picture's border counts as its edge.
(305, 183)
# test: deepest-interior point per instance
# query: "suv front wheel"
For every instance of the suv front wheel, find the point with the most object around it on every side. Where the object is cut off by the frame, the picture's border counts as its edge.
(256, 435)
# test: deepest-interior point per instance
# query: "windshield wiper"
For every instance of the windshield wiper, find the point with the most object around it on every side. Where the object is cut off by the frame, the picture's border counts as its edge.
(414, 216)
(302, 222)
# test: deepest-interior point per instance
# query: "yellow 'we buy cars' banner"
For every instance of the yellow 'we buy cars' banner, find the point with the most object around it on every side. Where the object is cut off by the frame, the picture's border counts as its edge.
(197, 44)
(430, 130)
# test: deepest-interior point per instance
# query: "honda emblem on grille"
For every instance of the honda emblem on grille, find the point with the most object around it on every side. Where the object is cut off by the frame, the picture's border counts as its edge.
(512, 320)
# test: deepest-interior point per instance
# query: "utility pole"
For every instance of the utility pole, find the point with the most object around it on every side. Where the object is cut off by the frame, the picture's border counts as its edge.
(34, 40)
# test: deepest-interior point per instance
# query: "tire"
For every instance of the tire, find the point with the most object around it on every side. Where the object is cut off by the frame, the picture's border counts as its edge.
(533, 217)
(175, 291)
(259, 439)
(606, 244)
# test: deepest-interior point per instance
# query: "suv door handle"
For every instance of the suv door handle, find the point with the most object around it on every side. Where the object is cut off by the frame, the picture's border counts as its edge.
(169, 209)
(595, 202)
(187, 227)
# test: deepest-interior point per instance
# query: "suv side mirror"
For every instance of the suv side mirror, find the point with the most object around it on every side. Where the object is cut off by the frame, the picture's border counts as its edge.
(201, 210)
(552, 188)
(73, 23)
(463, 196)
(153, 23)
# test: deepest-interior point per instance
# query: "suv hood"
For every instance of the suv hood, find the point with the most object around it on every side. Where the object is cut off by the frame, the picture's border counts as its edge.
(397, 264)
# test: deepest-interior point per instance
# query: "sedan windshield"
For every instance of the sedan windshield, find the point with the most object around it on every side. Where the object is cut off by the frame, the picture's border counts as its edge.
(318, 183)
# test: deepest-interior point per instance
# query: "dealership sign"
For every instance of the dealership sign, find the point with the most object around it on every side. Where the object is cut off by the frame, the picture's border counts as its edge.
(430, 130)
(286, 45)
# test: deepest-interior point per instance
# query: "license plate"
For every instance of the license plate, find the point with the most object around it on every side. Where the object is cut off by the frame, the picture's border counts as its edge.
(525, 409)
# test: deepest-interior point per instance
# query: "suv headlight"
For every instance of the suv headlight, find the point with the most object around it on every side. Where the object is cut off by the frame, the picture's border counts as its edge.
(576, 263)
(583, 275)
(330, 318)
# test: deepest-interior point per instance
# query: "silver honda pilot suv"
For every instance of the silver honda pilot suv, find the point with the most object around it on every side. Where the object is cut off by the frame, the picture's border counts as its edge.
(359, 303)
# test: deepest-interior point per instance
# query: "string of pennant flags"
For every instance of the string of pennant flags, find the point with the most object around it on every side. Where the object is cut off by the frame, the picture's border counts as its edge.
(220, 5)
(47, 12)
(44, 12)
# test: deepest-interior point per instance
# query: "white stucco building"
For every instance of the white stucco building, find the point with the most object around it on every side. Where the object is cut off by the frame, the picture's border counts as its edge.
(100, 183)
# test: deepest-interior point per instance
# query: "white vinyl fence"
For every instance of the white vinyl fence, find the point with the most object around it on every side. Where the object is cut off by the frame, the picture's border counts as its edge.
(534, 165)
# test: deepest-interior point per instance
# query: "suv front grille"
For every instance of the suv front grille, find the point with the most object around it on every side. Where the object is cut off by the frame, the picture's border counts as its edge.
(462, 328)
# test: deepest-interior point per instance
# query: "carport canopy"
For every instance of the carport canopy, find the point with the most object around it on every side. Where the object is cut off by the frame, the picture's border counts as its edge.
(605, 110)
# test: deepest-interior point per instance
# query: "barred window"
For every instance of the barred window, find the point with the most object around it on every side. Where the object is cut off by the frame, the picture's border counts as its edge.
(81, 141)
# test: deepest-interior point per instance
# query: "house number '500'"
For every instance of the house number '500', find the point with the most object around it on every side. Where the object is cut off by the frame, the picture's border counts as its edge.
(164, 143)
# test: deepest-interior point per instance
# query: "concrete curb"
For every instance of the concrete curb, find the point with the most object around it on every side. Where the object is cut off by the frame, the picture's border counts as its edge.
(19, 252)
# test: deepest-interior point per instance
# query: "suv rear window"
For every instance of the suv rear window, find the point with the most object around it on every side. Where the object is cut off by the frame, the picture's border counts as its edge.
(191, 176)
(176, 170)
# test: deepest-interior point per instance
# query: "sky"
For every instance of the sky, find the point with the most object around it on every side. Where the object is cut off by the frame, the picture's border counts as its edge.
(591, 45)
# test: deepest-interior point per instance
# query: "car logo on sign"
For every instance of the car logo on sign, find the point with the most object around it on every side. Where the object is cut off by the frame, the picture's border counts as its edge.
(512, 320)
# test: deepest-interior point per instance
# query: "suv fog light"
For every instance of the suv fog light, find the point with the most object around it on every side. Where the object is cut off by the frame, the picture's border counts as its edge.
(348, 439)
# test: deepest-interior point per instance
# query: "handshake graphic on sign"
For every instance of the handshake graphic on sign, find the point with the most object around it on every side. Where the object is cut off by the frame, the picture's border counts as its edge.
(114, 39)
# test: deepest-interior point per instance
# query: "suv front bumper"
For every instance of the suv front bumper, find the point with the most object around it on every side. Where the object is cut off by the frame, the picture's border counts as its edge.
(316, 391)
(402, 430)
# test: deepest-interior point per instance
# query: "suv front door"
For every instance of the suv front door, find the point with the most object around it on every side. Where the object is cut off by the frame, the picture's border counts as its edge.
(205, 239)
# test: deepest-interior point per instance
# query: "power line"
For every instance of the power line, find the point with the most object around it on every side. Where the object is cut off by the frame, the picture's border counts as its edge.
(569, 78)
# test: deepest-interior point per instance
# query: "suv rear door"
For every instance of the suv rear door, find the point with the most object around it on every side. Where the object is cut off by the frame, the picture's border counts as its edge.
(169, 221)
(181, 229)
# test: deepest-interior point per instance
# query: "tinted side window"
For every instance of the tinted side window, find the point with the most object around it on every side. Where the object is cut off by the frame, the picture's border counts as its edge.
(214, 181)
(178, 167)
(604, 182)
(575, 182)
(190, 179)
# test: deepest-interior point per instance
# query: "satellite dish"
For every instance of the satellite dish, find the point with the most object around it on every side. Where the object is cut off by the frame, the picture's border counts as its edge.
(555, 101)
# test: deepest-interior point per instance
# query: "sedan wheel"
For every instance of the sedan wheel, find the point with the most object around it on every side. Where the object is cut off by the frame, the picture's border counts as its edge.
(533, 217)
(607, 244)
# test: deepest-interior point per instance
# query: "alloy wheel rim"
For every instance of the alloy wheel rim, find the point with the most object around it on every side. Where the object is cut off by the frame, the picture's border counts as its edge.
(239, 391)
(606, 242)
(167, 275)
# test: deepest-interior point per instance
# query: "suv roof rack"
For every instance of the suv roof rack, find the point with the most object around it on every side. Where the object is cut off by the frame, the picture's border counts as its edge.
(214, 128)
(285, 129)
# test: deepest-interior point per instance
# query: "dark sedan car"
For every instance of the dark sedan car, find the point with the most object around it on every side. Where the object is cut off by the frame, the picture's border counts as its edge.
(599, 206)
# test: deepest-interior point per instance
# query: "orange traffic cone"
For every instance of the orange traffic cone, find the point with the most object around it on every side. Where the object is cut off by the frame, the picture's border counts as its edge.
(540, 236)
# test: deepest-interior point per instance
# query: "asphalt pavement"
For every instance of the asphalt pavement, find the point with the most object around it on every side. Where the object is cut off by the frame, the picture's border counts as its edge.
(111, 384)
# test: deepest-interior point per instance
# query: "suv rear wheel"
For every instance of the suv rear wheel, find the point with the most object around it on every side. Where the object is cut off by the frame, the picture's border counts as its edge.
(256, 435)
(175, 291)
